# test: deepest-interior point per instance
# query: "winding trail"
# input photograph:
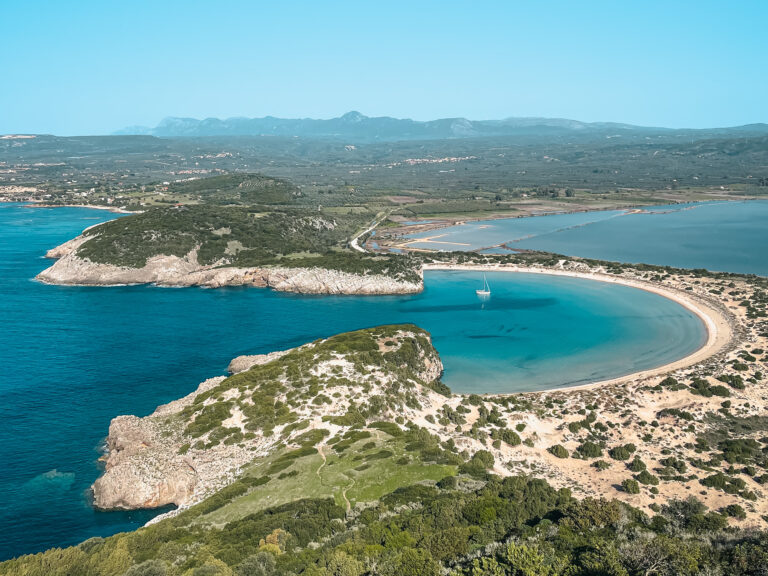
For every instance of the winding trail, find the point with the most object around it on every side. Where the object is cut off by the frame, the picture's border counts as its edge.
(343, 490)
(325, 461)
(344, 494)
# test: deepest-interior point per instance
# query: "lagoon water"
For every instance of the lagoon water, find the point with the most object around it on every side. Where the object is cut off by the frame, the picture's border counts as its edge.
(72, 358)
(719, 236)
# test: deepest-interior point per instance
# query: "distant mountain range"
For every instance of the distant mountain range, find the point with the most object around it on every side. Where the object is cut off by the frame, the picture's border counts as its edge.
(358, 127)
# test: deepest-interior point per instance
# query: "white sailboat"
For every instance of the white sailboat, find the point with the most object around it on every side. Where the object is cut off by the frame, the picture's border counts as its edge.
(486, 290)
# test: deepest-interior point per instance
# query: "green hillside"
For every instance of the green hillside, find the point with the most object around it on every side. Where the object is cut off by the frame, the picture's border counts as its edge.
(242, 236)
(475, 524)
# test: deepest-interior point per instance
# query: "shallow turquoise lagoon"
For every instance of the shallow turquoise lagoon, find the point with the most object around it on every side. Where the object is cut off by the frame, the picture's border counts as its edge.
(74, 357)
(720, 236)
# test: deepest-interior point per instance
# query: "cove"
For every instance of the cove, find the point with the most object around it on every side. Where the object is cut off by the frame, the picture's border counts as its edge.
(74, 357)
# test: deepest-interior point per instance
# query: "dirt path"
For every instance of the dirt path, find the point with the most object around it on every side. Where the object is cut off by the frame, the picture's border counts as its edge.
(325, 461)
(378, 219)
(348, 504)
(344, 495)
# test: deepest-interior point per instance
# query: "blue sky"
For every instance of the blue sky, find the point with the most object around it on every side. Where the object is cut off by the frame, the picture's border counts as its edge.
(92, 67)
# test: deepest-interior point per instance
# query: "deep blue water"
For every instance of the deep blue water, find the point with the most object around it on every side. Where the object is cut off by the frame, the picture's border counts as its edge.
(72, 358)
(720, 236)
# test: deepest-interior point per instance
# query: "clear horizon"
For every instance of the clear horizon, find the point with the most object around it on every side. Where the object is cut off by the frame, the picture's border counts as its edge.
(92, 68)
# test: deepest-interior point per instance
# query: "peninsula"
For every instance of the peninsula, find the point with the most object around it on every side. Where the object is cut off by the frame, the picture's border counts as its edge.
(262, 240)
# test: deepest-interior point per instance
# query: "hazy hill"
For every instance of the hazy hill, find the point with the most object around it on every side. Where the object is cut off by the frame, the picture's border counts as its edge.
(356, 126)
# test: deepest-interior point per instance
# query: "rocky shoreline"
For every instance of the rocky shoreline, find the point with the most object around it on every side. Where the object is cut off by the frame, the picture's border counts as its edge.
(143, 466)
(70, 269)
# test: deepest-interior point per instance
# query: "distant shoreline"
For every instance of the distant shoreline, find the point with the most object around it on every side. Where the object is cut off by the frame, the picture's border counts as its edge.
(716, 324)
(113, 209)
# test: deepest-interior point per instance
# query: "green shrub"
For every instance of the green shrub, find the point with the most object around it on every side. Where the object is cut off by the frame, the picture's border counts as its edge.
(478, 465)
(388, 427)
(622, 452)
(720, 391)
(475, 400)
(574, 427)
(589, 450)
(739, 450)
(733, 380)
(669, 382)
(558, 451)
(448, 483)
(682, 414)
(380, 455)
(720, 481)
(676, 464)
(507, 436)
(735, 511)
(630, 486)
(485, 458)
(646, 477)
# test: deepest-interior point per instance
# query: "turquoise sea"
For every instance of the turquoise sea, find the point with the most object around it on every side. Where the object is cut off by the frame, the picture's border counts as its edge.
(72, 358)
(719, 236)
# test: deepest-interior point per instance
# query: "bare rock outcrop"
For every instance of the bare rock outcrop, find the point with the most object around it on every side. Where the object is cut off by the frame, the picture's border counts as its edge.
(68, 247)
(139, 473)
(244, 363)
(143, 468)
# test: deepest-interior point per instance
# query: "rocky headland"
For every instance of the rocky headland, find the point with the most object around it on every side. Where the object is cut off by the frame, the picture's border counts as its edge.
(71, 269)
(194, 446)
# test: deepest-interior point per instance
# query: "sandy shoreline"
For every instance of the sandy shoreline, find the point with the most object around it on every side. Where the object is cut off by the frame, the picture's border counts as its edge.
(114, 209)
(717, 325)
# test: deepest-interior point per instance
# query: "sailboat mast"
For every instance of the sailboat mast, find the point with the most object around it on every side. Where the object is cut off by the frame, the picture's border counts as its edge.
(486, 290)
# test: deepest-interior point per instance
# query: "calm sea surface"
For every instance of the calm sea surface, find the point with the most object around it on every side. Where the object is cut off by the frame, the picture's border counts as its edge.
(72, 358)
(720, 236)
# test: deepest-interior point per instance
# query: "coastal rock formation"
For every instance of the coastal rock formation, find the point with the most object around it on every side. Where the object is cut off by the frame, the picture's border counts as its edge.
(245, 363)
(192, 447)
(187, 271)
(139, 473)
(68, 247)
